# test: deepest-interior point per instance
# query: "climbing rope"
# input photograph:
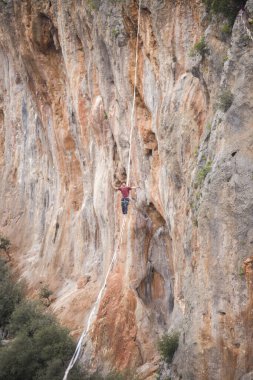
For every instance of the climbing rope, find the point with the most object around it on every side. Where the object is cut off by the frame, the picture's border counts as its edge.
(245, 26)
(134, 96)
(94, 309)
(96, 305)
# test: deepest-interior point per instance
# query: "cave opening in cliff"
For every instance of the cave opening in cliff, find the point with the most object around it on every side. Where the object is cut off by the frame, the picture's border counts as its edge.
(43, 32)
(148, 152)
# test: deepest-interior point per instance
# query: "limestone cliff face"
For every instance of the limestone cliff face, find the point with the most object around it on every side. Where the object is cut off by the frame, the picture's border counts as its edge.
(185, 261)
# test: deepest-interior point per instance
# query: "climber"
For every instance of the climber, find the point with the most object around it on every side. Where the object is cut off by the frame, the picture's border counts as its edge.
(125, 190)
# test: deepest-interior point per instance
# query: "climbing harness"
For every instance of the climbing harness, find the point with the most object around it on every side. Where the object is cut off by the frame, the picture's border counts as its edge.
(245, 26)
(96, 305)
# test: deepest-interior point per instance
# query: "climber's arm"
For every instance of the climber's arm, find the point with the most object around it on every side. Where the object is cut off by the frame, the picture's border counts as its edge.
(114, 187)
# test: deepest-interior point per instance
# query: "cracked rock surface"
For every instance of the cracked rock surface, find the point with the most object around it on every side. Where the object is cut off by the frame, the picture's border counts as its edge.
(185, 261)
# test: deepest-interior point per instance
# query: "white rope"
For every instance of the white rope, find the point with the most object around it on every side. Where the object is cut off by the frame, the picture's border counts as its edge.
(95, 307)
(134, 97)
(245, 26)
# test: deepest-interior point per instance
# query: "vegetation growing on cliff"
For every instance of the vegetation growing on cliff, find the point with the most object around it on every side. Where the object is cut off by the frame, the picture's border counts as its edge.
(4, 243)
(93, 4)
(229, 8)
(202, 173)
(168, 345)
(225, 100)
(45, 294)
(34, 345)
(11, 295)
(199, 48)
(226, 31)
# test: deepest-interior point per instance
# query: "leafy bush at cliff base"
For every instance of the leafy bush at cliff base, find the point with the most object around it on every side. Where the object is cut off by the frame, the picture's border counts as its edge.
(229, 8)
(10, 295)
(45, 292)
(38, 348)
(125, 375)
(168, 345)
(41, 349)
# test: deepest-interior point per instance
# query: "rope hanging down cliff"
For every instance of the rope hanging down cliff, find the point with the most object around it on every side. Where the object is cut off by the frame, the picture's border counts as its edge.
(134, 97)
(95, 307)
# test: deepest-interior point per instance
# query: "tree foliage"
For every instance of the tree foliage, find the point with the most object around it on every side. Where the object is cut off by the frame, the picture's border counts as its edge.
(38, 348)
(45, 292)
(229, 8)
(225, 100)
(168, 345)
(10, 295)
(4, 243)
(199, 48)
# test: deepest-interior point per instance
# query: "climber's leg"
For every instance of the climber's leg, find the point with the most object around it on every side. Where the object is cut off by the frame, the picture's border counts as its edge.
(124, 205)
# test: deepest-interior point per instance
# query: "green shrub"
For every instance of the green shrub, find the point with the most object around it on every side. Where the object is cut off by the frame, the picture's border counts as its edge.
(225, 31)
(115, 32)
(4, 243)
(45, 293)
(168, 345)
(11, 294)
(225, 100)
(196, 151)
(195, 222)
(199, 48)
(28, 317)
(229, 8)
(93, 4)
(41, 348)
(202, 173)
(115, 376)
(125, 375)
(226, 28)
(42, 357)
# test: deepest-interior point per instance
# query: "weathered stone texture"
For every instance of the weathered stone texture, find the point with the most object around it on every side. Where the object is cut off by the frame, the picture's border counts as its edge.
(185, 261)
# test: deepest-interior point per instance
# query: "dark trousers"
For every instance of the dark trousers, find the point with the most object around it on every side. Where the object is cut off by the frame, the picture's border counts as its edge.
(124, 205)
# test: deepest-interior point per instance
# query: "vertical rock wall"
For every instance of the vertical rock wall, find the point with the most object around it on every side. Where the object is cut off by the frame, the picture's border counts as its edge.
(185, 260)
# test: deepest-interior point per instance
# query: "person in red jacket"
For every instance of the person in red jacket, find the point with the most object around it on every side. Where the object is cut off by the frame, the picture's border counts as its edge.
(125, 191)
